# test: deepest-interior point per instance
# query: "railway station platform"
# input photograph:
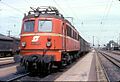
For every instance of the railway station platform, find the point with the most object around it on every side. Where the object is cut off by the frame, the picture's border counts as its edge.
(83, 70)
(8, 71)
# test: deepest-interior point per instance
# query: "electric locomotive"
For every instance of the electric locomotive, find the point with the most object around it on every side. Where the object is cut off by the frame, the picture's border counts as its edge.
(47, 39)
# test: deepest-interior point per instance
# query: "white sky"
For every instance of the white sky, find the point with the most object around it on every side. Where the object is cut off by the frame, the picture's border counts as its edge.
(89, 12)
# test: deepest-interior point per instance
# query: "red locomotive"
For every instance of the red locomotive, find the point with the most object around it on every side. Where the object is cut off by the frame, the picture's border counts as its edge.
(47, 39)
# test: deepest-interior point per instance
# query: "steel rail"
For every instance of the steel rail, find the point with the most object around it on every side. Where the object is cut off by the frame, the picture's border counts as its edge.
(116, 53)
(105, 72)
(17, 77)
(111, 59)
(8, 65)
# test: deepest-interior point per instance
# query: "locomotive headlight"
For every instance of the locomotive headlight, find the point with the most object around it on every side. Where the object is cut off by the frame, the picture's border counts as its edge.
(48, 44)
(23, 44)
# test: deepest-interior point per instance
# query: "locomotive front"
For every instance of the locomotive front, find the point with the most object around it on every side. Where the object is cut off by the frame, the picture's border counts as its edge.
(41, 39)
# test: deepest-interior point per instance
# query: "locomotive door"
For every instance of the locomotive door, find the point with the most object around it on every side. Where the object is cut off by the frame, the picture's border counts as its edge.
(64, 36)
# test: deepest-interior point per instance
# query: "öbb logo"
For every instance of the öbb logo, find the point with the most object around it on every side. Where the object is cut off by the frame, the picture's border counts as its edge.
(35, 39)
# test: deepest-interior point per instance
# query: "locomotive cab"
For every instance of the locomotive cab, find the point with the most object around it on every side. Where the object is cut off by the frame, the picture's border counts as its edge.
(41, 35)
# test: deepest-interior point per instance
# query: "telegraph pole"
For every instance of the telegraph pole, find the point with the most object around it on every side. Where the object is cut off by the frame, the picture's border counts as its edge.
(9, 32)
(98, 43)
(93, 41)
(119, 39)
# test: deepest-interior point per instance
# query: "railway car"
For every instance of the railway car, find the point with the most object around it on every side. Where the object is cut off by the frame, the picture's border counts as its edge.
(8, 45)
(48, 39)
(84, 46)
(16, 45)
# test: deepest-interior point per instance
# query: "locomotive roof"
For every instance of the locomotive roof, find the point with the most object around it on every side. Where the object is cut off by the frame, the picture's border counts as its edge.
(43, 15)
(42, 10)
(3, 37)
(46, 11)
(49, 16)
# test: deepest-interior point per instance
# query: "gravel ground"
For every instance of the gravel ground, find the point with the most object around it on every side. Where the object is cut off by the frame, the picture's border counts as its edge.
(113, 71)
(99, 70)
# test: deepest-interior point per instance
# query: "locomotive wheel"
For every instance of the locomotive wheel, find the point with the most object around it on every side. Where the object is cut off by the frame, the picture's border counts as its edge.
(45, 68)
(42, 68)
(49, 68)
(70, 61)
(68, 57)
(33, 70)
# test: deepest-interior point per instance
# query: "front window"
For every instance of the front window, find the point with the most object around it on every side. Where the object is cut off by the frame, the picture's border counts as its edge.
(45, 26)
(29, 26)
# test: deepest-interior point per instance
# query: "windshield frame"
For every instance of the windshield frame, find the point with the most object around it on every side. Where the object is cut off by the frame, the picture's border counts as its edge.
(45, 21)
(33, 21)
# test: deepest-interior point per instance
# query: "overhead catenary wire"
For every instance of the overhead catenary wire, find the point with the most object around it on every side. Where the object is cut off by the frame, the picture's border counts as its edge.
(67, 16)
(68, 6)
(28, 3)
(60, 7)
(18, 10)
(105, 15)
(107, 10)
(104, 12)
(75, 15)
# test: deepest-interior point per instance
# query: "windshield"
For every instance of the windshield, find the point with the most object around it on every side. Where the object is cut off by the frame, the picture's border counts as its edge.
(45, 26)
(29, 26)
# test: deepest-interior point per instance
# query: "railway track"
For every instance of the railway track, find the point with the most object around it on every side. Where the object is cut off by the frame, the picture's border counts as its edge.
(112, 59)
(13, 77)
(8, 65)
(116, 52)
(28, 77)
(50, 77)
(110, 65)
